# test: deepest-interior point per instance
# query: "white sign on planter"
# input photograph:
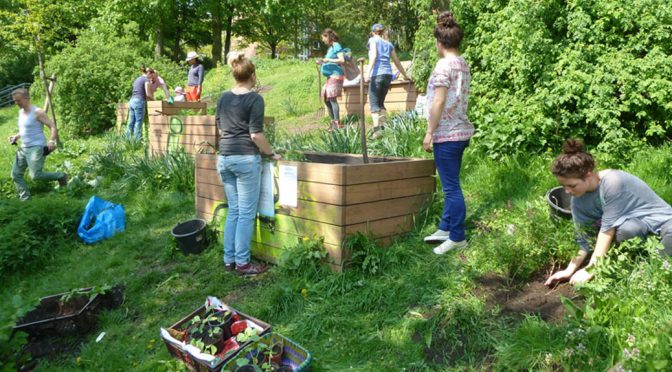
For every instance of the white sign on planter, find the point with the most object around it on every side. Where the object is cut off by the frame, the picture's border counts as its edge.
(288, 186)
(266, 204)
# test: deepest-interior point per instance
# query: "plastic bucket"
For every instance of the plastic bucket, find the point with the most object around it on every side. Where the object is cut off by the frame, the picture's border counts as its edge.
(190, 236)
(560, 202)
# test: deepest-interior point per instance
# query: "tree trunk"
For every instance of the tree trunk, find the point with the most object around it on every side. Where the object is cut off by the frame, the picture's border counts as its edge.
(216, 33)
(274, 46)
(229, 26)
(158, 47)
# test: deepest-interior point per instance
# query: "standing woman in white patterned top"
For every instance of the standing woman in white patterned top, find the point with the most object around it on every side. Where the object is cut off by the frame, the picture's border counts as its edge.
(449, 130)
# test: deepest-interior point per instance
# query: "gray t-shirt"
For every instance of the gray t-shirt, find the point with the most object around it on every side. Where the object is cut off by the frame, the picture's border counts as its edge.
(195, 75)
(619, 196)
(238, 116)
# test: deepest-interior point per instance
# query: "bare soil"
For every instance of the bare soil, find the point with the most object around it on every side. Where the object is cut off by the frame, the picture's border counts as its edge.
(530, 298)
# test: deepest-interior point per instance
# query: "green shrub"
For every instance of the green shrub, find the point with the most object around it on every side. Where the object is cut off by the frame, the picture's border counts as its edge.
(547, 70)
(97, 73)
(34, 231)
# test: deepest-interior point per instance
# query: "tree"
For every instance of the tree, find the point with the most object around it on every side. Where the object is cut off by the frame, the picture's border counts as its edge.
(272, 22)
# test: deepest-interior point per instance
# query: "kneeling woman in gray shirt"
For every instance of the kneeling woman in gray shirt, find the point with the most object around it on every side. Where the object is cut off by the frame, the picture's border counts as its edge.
(240, 119)
(612, 203)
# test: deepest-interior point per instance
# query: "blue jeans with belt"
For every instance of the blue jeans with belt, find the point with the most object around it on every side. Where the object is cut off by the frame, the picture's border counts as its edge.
(241, 176)
(448, 161)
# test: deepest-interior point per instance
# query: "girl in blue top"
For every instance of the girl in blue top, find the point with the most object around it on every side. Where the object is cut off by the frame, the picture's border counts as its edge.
(331, 69)
(381, 51)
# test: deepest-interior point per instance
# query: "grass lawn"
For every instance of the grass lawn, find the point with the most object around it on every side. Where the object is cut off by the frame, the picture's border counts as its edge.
(398, 308)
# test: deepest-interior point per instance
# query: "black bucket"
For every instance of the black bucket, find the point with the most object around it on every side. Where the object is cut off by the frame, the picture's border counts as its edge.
(560, 202)
(190, 236)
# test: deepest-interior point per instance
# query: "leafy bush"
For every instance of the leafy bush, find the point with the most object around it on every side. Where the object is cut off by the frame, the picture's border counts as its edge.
(548, 70)
(97, 73)
(305, 258)
(32, 232)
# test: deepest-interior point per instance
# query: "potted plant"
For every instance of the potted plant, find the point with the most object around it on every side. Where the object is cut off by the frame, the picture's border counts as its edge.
(204, 335)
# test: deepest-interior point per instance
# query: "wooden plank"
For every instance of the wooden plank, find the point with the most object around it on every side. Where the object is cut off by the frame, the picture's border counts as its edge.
(364, 212)
(291, 225)
(316, 172)
(367, 192)
(319, 212)
(384, 227)
(378, 172)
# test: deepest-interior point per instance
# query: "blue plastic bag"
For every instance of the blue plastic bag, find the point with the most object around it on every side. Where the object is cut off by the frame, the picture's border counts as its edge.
(101, 220)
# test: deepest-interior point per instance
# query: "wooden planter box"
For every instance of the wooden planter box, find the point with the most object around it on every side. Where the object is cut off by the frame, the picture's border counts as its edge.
(160, 108)
(195, 134)
(338, 195)
(400, 98)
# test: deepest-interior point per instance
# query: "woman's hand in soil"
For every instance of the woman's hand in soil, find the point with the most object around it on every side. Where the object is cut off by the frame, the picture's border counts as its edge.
(560, 276)
(581, 276)
(427, 142)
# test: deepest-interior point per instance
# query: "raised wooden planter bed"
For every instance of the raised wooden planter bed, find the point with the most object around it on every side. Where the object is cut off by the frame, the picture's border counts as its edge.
(338, 195)
(400, 98)
(160, 108)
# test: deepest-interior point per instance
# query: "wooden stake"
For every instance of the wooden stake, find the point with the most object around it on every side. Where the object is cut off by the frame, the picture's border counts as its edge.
(362, 121)
(43, 75)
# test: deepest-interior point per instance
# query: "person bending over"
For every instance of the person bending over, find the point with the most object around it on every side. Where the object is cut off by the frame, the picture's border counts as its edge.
(613, 204)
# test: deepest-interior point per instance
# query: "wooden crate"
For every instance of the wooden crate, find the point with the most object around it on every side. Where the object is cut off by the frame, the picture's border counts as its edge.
(334, 200)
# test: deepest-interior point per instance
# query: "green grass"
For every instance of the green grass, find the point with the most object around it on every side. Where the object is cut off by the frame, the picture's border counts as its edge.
(395, 308)
(293, 90)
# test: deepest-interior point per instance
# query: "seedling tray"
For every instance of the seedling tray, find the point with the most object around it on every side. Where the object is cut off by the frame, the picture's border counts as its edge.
(293, 355)
(76, 315)
(199, 365)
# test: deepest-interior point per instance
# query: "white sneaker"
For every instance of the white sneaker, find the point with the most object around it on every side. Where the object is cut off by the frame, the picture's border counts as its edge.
(449, 245)
(437, 236)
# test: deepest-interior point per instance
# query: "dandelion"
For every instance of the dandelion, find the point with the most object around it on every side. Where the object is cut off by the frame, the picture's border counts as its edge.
(304, 293)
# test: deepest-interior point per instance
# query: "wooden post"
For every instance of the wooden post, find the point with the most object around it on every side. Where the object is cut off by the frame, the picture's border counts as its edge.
(362, 121)
(320, 111)
(46, 85)
(47, 103)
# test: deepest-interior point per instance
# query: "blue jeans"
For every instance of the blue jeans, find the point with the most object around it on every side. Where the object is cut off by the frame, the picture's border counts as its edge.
(448, 161)
(241, 175)
(136, 114)
(378, 88)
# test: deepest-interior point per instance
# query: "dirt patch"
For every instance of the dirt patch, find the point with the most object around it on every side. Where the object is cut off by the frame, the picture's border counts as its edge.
(530, 298)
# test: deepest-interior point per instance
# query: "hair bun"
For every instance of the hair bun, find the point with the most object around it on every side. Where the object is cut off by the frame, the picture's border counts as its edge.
(235, 58)
(572, 146)
(446, 19)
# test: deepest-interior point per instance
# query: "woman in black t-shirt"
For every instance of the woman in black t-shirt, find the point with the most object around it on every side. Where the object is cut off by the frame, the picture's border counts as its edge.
(240, 118)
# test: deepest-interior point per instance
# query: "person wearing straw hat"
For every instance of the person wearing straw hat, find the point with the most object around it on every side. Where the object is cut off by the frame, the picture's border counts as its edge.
(194, 77)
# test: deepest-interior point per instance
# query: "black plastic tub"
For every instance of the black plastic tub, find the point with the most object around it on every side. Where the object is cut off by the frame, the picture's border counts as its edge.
(190, 236)
(52, 316)
(560, 202)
